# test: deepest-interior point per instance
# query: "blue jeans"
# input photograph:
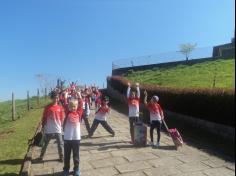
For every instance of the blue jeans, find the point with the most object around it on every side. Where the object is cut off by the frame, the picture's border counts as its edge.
(71, 146)
(155, 124)
(105, 125)
(132, 120)
(60, 147)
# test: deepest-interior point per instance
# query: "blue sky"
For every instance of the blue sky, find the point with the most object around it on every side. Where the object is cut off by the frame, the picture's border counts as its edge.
(79, 39)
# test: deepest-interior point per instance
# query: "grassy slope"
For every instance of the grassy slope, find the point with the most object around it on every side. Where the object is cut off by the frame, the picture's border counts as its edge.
(198, 75)
(14, 135)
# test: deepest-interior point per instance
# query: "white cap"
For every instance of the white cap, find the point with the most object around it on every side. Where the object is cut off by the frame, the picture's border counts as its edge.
(156, 98)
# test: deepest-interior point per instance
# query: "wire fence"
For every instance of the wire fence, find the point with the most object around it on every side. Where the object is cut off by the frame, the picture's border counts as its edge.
(173, 56)
(16, 108)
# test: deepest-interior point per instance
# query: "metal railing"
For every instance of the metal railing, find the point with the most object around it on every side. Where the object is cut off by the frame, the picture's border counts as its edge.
(173, 56)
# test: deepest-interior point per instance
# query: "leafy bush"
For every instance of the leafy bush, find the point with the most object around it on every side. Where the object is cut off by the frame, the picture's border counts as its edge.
(215, 105)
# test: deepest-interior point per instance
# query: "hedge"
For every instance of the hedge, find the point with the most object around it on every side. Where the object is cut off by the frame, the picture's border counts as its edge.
(215, 105)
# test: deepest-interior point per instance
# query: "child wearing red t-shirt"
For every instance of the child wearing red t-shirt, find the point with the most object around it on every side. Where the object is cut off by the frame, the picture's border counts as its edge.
(101, 118)
(52, 123)
(72, 136)
(156, 117)
(133, 102)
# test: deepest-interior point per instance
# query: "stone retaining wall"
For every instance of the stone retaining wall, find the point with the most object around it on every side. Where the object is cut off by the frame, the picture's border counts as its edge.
(26, 166)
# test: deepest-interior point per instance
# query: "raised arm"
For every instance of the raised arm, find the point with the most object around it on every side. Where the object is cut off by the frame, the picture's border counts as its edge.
(161, 111)
(138, 90)
(145, 98)
(128, 90)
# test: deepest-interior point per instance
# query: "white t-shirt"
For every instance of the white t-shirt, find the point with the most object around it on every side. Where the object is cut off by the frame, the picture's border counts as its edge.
(53, 126)
(133, 110)
(155, 116)
(102, 113)
(53, 114)
(101, 116)
(133, 103)
(72, 131)
(86, 110)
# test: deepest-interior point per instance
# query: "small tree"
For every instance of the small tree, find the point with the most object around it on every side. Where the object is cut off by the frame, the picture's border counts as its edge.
(186, 49)
(46, 81)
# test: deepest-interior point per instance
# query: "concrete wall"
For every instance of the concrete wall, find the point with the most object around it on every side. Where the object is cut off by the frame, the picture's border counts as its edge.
(226, 50)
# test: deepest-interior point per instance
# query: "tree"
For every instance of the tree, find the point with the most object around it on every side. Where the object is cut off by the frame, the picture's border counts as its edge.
(186, 49)
(46, 81)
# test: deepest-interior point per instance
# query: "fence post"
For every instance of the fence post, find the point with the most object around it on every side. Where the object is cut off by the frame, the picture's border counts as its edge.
(38, 97)
(28, 101)
(13, 107)
(214, 79)
(45, 94)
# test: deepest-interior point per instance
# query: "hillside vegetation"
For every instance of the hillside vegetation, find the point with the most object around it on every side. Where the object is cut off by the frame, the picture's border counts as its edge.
(21, 109)
(14, 135)
(202, 75)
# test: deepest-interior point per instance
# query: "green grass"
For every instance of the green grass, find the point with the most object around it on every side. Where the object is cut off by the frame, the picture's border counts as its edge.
(14, 135)
(21, 109)
(185, 76)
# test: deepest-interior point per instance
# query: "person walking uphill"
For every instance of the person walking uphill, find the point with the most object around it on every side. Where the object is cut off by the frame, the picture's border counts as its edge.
(101, 117)
(72, 137)
(52, 123)
(133, 102)
(156, 117)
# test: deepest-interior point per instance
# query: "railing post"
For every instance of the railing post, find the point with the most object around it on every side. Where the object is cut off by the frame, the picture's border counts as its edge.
(45, 94)
(38, 97)
(28, 101)
(13, 107)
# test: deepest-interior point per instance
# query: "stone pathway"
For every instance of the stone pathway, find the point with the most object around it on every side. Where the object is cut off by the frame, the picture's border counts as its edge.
(104, 155)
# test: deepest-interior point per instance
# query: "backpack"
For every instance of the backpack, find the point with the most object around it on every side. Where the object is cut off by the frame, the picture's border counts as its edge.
(38, 140)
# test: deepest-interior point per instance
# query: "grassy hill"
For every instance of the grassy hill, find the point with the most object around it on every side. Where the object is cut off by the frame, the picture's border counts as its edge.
(21, 109)
(14, 135)
(190, 76)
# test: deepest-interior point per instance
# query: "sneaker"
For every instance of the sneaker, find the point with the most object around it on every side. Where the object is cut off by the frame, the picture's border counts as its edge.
(66, 173)
(157, 145)
(61, 159)
(77, 173)
(151, 144)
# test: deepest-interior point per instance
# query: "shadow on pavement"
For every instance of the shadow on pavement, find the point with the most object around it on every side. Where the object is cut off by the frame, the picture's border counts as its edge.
(9, 174)
(165, 147)
(53, 174)
(89, 144)
(38, 161)
(193, 136)
(12, 162)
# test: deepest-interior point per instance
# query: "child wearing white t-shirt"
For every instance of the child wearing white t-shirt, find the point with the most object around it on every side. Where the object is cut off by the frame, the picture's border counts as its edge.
(101, 118)
(72, 137)
(156, 117)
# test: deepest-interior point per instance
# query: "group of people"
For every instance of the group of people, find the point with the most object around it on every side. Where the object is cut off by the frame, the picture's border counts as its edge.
(71, 106)
(156, 112)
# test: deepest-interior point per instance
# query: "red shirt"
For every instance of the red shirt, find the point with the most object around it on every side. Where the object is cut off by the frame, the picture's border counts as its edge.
(54, 111)
(53, 117)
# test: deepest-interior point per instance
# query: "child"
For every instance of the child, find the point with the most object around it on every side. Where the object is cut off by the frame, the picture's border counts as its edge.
(52, 121)
(133, 102)
(86, 112)
(98, 102)
(72, 137)
(100, 117)
(156, 117)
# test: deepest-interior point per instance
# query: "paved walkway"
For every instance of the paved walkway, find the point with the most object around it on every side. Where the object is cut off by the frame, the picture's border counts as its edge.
(104, 155)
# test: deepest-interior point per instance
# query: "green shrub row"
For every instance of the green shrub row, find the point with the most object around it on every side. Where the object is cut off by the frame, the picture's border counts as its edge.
(215, 105)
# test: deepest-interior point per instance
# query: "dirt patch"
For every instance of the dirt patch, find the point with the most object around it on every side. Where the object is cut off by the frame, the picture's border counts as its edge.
(5, 134)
